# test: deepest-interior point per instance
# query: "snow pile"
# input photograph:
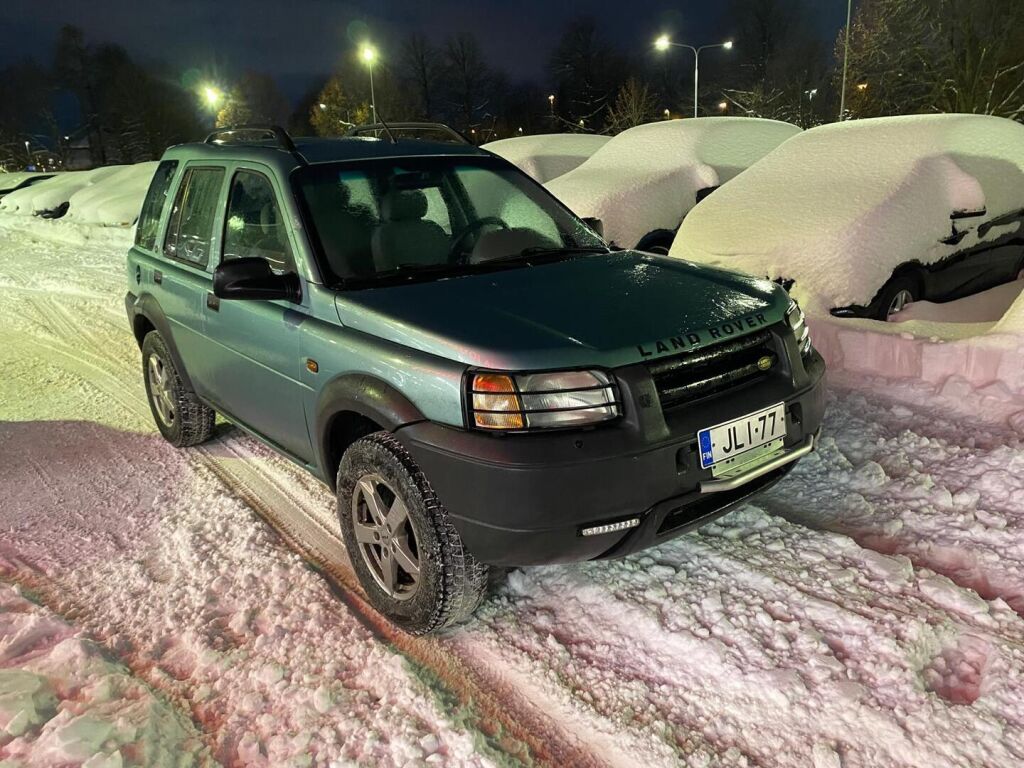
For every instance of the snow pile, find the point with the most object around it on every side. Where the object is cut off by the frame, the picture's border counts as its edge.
(62, 703)
(547, 156)
(52, 193)
(12, 180)
(648, 177)
(114, 200)
(840, 206)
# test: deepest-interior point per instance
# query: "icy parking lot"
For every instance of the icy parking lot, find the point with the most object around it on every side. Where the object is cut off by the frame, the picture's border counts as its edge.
(865, 612)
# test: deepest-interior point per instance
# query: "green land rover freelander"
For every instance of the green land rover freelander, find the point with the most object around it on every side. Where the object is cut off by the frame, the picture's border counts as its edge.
(475, 373)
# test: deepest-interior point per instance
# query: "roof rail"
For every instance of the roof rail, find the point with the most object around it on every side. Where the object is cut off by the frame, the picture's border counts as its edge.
(279, 134)
(441, 128)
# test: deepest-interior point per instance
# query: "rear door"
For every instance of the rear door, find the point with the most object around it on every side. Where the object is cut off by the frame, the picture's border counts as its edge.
(180, 280)
(257, 366)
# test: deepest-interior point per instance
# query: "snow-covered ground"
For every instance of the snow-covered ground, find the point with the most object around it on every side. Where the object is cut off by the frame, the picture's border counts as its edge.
(863, 613)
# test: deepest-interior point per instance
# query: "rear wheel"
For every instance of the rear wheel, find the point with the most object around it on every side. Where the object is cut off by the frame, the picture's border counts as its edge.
(179, 415)
(409, 558)
(895, 296)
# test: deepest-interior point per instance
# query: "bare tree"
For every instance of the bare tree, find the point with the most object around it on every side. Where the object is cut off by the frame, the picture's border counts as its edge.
(468, 78)
(419, 71)
(634, 105)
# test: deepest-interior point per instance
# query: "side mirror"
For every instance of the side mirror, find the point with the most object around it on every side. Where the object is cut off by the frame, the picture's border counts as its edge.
(976, 213)
(253, 279)
(595, 224)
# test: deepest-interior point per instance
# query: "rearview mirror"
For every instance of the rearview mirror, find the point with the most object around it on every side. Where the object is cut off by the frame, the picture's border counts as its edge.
(253, 279)
(595, 225)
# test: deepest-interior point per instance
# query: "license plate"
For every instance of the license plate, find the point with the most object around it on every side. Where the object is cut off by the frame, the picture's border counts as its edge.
(732, 439)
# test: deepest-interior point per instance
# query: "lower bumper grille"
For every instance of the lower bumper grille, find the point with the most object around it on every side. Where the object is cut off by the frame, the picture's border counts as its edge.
(694, 375)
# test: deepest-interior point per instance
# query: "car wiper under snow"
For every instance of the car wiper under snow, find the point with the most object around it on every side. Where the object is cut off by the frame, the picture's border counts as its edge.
(547, 251)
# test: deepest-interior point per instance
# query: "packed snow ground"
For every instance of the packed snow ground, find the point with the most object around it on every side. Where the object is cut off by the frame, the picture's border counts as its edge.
(863, 613)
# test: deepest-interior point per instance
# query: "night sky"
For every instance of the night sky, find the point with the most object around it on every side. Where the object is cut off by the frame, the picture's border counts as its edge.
(299, 40)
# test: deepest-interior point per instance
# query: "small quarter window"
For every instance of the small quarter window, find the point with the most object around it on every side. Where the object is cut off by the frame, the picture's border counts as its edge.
(153, 207)
(255, 226)
(190, 229)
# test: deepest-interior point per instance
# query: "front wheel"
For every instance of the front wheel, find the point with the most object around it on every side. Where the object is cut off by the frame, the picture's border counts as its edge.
(409, 558)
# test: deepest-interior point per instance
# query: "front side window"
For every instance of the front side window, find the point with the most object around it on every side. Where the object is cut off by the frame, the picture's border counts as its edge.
(153, 206)
(432, 216)
(254, 226)
(190, 230)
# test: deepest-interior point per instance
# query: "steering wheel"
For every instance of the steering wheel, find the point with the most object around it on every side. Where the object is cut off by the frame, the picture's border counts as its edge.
(457, 242)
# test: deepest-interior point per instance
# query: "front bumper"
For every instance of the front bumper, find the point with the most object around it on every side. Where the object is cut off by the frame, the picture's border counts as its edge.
(523, 499)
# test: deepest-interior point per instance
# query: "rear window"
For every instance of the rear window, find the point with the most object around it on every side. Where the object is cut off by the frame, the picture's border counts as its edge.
(149, 219)
(190, 230)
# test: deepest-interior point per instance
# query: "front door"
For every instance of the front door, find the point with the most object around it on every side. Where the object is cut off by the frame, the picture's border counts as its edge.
(258, 368)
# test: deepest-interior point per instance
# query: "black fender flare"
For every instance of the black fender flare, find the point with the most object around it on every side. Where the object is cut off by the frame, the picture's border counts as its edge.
(365, 395)
(146, 306)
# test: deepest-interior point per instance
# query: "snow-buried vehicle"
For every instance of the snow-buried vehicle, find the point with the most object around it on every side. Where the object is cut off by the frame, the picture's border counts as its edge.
(467, 364)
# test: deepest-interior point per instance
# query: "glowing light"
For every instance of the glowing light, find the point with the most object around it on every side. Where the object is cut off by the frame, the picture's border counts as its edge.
(727, 45)
(862, 86)
(212, 96)
(368, 54)
(662, 43)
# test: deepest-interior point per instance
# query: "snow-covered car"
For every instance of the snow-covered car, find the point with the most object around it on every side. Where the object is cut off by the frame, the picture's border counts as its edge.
(643, 182)
(547, 156)
(51, 197)
(862, 218)
(12, 182)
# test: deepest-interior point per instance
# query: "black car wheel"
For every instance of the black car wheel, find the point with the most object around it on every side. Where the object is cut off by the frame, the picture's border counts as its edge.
(895, 296)
(409, 558)
(181, 418)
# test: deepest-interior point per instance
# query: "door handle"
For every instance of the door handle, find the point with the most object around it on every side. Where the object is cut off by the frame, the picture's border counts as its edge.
(158, 276)
(212, 302)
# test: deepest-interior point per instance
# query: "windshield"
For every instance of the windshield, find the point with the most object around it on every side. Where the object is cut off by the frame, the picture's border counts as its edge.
(426, 218)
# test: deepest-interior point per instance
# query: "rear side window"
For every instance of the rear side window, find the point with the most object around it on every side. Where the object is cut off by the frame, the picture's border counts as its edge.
(149, 219)
(191, 226)
(254, 225)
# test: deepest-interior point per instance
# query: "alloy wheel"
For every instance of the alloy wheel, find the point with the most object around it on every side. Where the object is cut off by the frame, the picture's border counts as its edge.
(900, 301)
(160, 389)
(385, 536)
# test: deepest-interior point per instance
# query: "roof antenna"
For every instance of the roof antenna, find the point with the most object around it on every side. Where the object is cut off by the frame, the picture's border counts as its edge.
(391, 136)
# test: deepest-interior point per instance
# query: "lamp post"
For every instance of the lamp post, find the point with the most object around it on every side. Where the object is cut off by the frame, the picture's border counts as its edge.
(369, 56)
(663, 43)
(846, 59)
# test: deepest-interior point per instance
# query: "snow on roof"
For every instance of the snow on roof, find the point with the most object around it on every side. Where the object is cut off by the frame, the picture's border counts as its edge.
(647, 177)
(51, 193)
(116, 199)
(13, 179)
(550, 155)
(837, 208)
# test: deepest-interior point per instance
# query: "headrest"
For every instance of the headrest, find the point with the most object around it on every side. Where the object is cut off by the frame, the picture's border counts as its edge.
(404, 205)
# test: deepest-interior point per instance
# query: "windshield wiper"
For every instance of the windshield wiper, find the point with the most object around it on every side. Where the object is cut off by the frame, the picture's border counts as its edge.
(547, 251)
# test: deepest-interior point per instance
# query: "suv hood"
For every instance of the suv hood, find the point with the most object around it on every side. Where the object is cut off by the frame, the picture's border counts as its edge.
(604, 310)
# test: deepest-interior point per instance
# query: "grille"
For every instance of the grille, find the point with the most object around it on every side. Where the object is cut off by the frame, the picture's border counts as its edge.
(695, 375)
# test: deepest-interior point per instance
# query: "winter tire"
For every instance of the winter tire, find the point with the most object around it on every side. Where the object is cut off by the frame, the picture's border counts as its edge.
(179, 415)
(895, 296)
(408, 556)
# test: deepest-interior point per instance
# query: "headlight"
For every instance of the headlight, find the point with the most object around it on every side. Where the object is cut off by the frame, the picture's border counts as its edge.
(797, 321)
(522, 401)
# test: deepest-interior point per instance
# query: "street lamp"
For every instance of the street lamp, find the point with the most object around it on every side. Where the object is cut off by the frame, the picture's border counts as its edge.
(846, 60)
(369, 56)
(551, 102)
(663, 43)
(212, 96)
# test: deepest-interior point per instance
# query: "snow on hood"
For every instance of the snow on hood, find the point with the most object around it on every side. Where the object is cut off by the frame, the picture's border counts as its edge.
(647, 177)
(837, 208)
(607, 310)
(547, 156)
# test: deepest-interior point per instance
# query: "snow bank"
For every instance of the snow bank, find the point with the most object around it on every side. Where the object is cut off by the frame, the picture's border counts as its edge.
(839, 207)
(111, 196)
(11, 180)
(647, 178)
(547, 156)
(51, 193)
(116, 199)
(62, 703)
